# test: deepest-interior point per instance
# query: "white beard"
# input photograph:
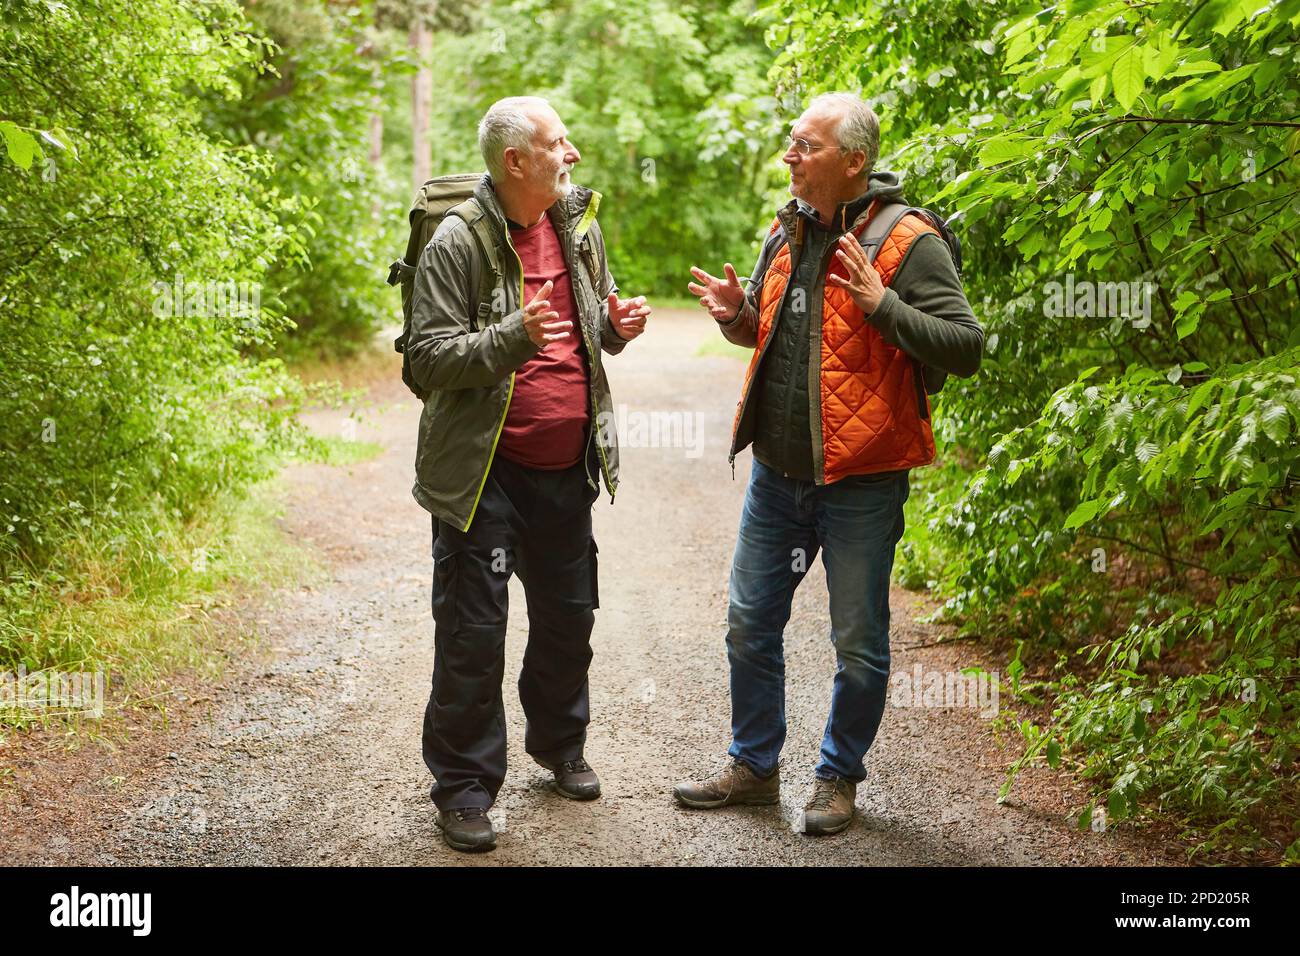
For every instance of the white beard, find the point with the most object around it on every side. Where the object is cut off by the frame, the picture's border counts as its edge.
(564, 184)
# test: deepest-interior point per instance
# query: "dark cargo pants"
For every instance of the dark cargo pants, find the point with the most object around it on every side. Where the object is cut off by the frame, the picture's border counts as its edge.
(537, 524)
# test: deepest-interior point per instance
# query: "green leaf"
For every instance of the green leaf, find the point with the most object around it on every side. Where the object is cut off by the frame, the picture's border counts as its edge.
(1196, 92)
(20, 144)
(1129, 77)
(1006, 148)
(1084, 512)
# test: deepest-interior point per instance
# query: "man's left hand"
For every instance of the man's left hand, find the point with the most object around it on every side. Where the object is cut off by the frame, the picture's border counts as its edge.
(628, 316)
(863, 282)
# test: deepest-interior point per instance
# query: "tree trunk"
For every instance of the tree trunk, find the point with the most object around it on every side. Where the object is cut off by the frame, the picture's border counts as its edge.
(376, 154)
(421, 100)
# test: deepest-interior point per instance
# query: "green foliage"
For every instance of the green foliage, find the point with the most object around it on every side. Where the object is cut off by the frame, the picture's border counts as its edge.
(664, 102)
(308, 106)
(1090, 152)
(119, 398)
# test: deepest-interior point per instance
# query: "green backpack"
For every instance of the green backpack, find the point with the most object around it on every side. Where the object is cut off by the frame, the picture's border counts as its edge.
(437, 199)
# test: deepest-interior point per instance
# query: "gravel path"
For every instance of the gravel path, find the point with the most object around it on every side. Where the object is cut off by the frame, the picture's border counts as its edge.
(312, 755)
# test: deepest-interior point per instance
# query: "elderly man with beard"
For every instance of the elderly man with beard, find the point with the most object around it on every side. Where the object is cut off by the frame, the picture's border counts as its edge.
(512, 439)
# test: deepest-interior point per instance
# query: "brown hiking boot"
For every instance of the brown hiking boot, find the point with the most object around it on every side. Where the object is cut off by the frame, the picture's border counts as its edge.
(734, 784)
(830, 808)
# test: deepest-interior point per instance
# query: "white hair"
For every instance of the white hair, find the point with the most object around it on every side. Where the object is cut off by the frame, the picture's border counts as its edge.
(506, 125)
(858, 128)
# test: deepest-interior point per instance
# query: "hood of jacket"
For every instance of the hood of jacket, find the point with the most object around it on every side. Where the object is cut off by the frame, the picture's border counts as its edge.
(882, 185)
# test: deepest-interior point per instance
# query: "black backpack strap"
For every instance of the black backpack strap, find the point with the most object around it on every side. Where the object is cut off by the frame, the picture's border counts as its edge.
(399, 270)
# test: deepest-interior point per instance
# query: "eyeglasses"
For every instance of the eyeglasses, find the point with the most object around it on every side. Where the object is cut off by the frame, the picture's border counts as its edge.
(801, 146)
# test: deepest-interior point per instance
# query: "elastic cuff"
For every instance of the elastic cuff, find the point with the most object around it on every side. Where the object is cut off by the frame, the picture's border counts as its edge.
(882, 318)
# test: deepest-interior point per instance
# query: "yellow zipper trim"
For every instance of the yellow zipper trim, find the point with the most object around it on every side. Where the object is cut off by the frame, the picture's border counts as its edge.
(588, 215)
(509, 395)
(584, 224)
(595, 415)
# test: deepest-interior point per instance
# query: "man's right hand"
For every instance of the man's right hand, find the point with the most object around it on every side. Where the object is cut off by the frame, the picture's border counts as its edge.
(721, 298)
(543, 324)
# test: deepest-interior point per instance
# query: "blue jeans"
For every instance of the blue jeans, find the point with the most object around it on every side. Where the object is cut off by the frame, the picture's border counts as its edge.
(855, 522)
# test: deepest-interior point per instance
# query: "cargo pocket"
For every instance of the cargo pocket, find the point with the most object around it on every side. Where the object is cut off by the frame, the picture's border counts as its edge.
(446, 574)
(595, 574)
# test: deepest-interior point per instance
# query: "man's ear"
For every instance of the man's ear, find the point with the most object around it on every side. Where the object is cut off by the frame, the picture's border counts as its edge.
(856, 163)
(510, 159)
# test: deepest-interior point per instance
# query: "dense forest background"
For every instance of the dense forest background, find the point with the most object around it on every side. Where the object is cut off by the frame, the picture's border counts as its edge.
(197, 196)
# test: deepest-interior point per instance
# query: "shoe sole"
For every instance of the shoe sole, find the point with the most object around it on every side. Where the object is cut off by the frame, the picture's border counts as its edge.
(827, 832)
(575, 796)
(763, 801)
(468, 847)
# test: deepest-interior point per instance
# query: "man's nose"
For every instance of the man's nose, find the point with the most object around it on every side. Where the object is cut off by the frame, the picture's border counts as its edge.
(791, 157)
(572, 156)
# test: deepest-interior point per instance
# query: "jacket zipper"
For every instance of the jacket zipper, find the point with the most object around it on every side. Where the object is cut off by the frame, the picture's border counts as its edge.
(591, 389)
(505, 411)
(767, 343)
(815, 357)
(814, 397)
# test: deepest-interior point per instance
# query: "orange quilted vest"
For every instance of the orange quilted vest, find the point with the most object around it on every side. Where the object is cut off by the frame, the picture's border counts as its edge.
(870, 413)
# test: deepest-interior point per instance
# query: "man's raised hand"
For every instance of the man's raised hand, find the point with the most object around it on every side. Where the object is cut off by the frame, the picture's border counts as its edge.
(721, 298)
(863, 283)
(628, 316)
(542, 323)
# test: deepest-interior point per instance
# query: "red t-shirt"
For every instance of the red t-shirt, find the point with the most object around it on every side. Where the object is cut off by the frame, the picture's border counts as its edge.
(546, 426)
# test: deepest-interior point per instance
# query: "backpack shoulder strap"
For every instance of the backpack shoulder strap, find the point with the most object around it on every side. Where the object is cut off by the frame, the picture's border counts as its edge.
(881, 224)
(480, 228)
(928, 379)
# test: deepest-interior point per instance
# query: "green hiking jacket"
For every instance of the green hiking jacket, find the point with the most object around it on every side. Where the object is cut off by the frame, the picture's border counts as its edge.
(468, 366)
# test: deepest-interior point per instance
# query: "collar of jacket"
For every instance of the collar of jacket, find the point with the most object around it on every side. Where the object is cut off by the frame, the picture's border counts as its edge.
(572, 213)
(883, 185)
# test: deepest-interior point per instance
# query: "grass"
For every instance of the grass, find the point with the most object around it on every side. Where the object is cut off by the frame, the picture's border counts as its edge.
(919, 564)
(359, 369)
(146, 603)
(686, 302)
(717, 345)
(341, 452)
(143, 603)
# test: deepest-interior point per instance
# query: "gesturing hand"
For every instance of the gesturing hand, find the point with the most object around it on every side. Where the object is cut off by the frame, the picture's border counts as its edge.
(628, 316)
(542, 323)
(722, 298)
(863, 282)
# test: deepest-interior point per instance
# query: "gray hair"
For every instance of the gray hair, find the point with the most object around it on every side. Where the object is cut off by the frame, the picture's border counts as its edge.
(859, 127)
(506, 125)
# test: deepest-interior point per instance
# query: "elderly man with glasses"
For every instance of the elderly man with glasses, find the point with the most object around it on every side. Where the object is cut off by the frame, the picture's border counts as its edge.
(835, 406)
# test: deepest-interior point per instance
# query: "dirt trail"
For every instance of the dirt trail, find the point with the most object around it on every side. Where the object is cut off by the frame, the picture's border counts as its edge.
(313, 756)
